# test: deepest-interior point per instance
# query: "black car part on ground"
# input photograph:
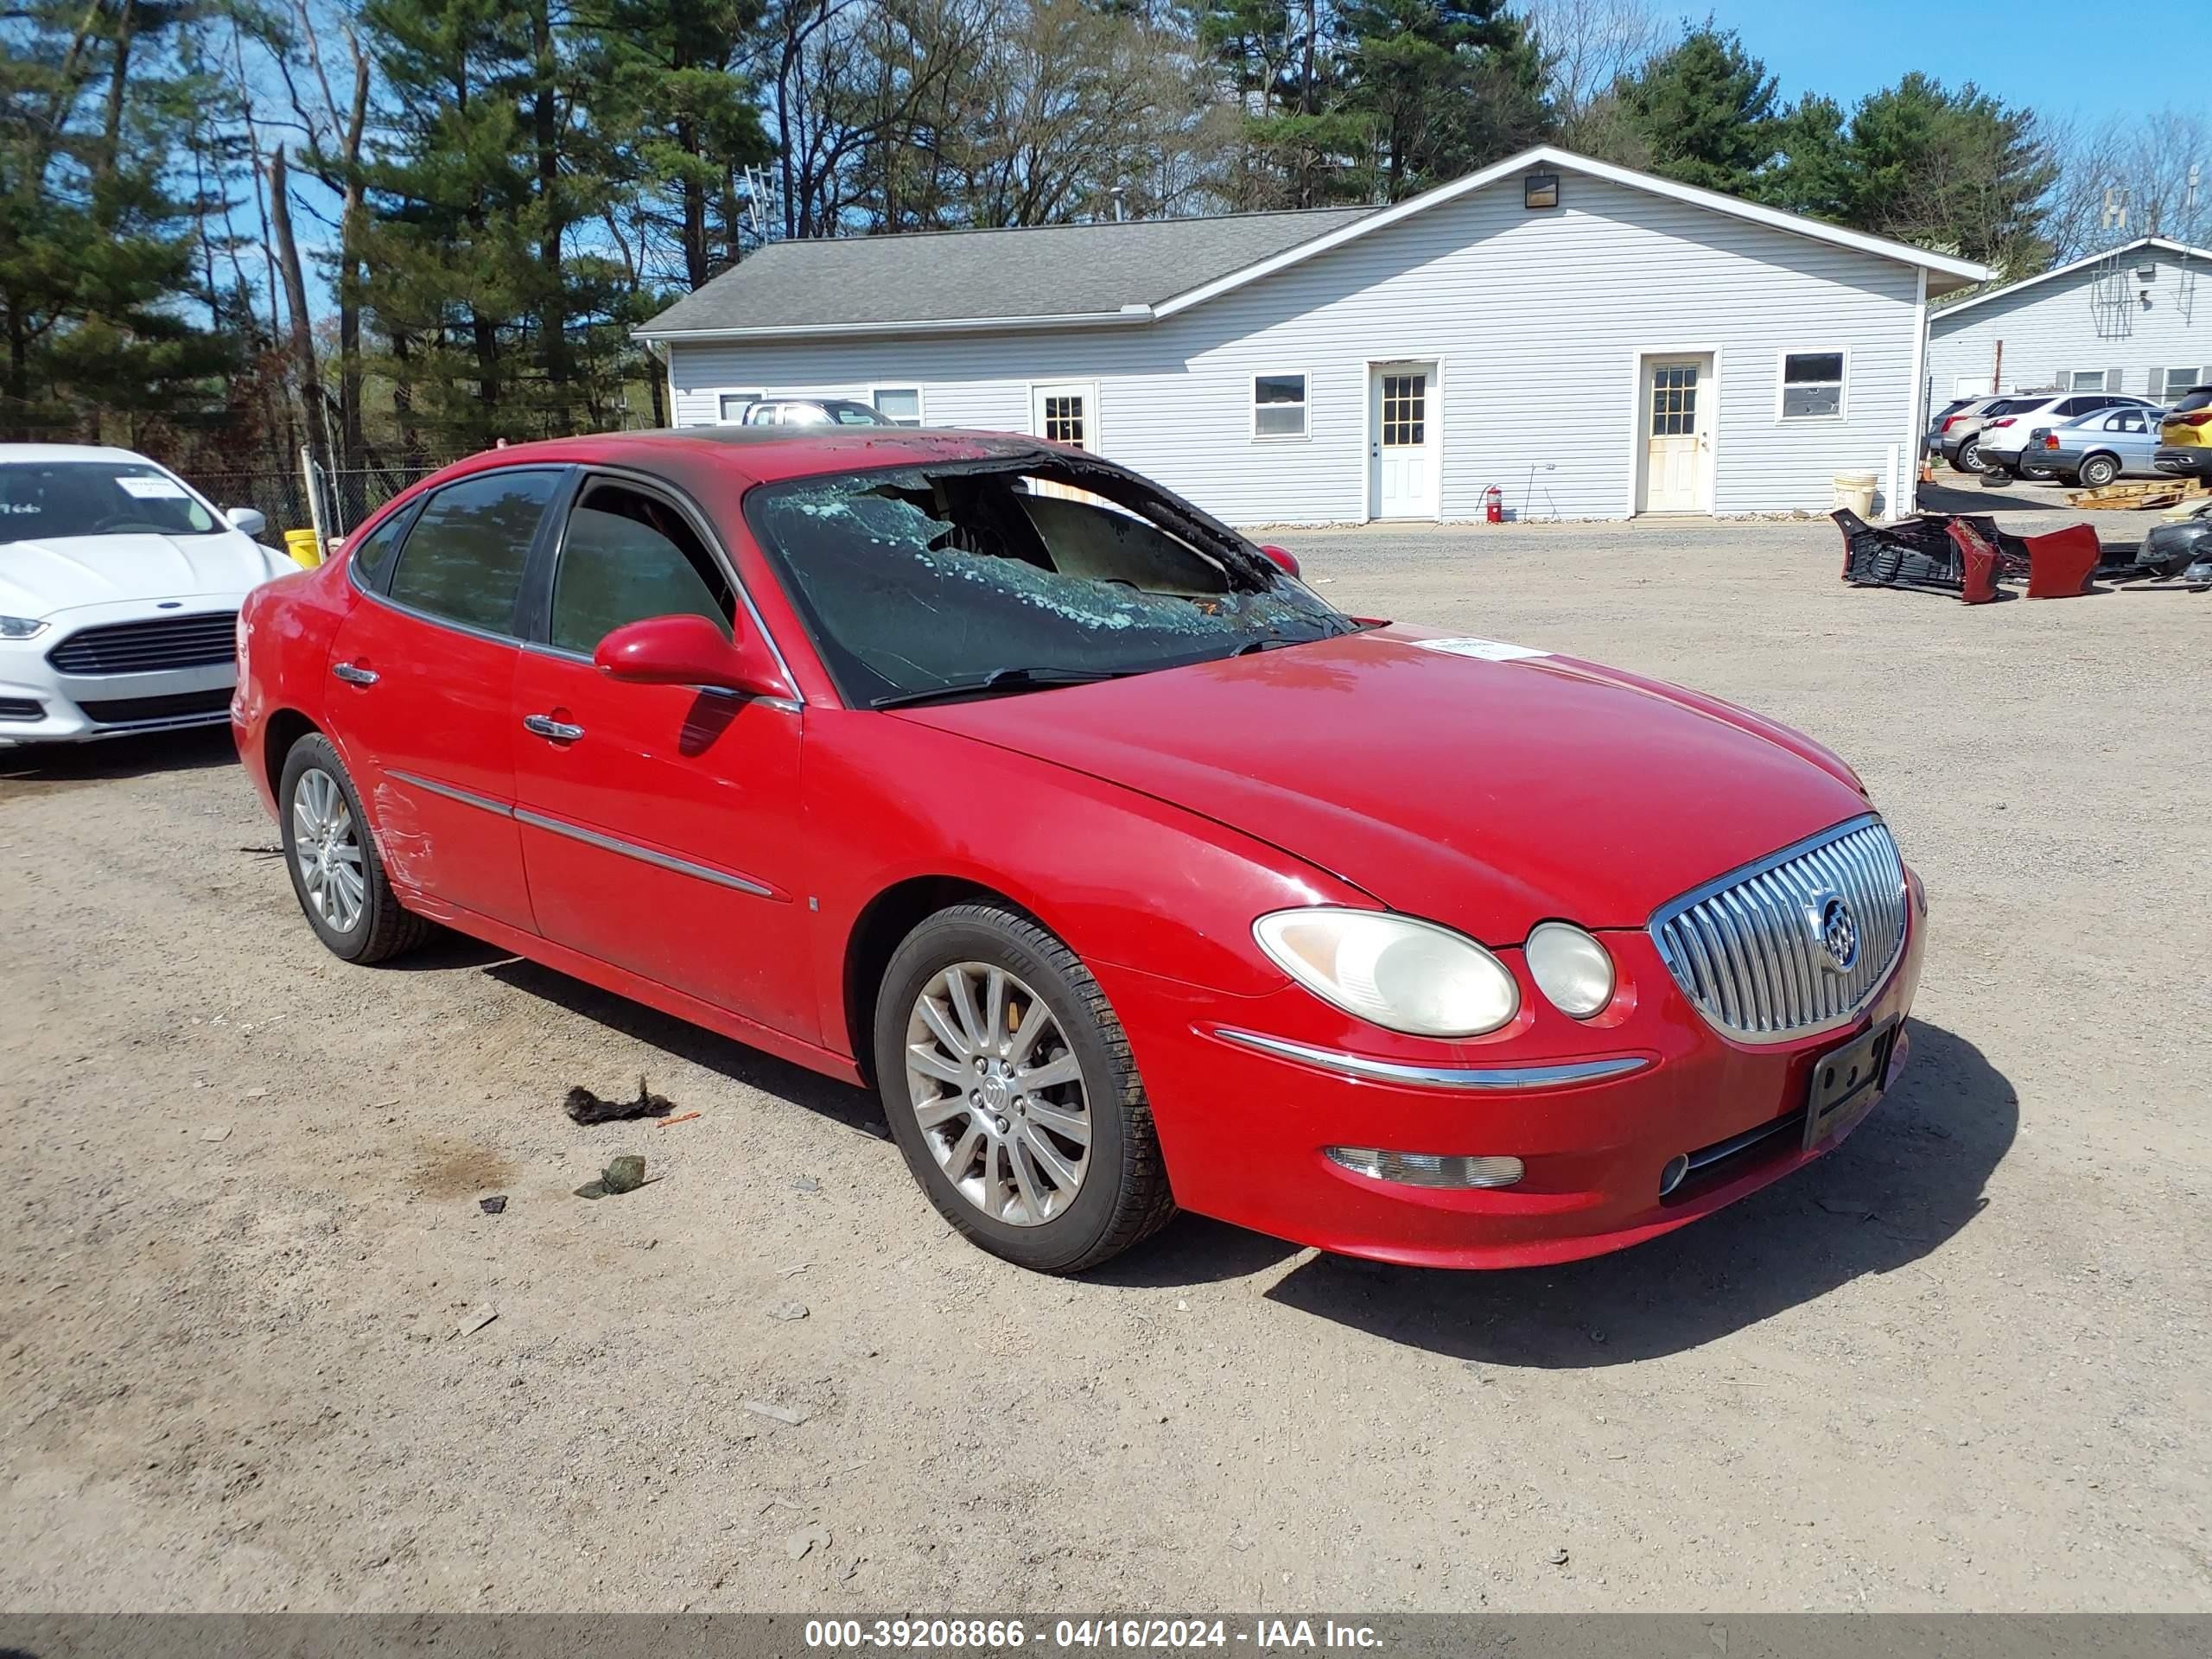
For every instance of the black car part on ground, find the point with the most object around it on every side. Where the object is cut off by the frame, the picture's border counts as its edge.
(1920, 552)
(2173, 555)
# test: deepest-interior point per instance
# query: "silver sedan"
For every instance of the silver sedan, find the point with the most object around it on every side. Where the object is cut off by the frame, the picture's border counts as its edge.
(2096, 448)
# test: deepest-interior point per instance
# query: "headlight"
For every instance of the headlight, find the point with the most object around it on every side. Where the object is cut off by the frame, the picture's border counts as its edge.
(20, 627)
(1404, 975)
(1571, 968)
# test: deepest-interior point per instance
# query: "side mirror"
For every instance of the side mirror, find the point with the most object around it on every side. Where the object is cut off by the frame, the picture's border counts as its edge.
(246, 520)
(1284, 559)
(691, 650)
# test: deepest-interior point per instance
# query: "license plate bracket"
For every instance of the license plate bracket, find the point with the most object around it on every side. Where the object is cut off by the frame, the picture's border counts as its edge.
(1847, 1081)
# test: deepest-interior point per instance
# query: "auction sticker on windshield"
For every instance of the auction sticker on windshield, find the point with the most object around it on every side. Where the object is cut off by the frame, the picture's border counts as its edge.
(152, 489)
(1490, 651)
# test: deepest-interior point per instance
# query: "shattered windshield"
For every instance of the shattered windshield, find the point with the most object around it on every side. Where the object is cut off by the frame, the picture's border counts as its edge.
(988, 576)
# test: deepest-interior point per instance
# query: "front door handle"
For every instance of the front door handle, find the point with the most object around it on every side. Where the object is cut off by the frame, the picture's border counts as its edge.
(354, 674)
(545, 726)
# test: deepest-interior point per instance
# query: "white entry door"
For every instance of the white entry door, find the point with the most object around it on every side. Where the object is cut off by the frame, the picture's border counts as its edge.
(1401, 441)
(1065, 413)
(1677, 428)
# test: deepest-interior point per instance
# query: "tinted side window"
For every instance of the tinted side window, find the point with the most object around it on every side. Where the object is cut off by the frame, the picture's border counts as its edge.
(464, 558)
(628, 555)
(371, 555)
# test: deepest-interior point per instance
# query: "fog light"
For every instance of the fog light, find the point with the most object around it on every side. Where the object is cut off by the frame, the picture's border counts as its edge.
(1571, 968)
(1428, 1168)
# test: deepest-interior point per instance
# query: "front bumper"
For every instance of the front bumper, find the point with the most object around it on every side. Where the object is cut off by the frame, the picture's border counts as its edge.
(1245, 1130)
(41, 703)
(2185, 461)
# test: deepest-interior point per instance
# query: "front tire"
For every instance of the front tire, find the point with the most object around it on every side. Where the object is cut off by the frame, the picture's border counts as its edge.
(336, 875)
(1009, 1086)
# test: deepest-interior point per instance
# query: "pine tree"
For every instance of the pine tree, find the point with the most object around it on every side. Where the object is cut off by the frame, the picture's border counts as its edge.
(1444, 87)
(1704, 112)
(93, 249)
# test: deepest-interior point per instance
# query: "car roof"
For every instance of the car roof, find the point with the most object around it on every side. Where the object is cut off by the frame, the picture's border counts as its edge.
(761, 455)
(22, 452)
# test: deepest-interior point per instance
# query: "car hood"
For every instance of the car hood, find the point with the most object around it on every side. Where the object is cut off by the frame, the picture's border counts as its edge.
(1446, 776)
(39, 578)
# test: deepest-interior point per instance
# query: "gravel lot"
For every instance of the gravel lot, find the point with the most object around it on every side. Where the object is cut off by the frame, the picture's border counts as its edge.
(1961, 1364)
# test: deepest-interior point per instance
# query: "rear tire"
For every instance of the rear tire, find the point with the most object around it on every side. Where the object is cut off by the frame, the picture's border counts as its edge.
(977, 1006)
(332, 858)
(1970, 456)
(2097, 472)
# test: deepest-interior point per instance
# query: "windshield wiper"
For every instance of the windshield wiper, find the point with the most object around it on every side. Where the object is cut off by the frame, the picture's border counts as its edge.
(1277, 641)
(1002, 680)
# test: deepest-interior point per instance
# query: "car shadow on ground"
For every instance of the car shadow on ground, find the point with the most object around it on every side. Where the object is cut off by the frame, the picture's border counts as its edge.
(1902, 1186)
(841, 1102)
(62, 765)
(1964, 495)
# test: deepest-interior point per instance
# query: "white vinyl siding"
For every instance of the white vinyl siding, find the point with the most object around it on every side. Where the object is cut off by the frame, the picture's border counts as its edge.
(2054, 335)
(1537, 322)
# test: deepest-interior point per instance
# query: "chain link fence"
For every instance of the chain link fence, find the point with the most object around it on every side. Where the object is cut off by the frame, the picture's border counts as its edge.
(349, 496)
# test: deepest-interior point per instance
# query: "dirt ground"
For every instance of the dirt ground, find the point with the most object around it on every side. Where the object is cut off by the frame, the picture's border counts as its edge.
(1962, 1364)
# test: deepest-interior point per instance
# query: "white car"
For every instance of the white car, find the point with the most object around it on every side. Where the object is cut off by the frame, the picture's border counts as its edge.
(120, 595)
(2005, 433)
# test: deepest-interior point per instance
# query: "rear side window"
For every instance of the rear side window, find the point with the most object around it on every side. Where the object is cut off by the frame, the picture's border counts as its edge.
(463, 561)
(371, 555)
(628, 555)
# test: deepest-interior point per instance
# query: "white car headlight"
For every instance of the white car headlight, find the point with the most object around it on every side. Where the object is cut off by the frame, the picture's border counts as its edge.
(1571, 968)
(1399, 972)
(20, 627)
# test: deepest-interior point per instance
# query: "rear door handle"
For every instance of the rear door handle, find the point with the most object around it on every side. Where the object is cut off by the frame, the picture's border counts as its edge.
(545, 726)
(354, 674)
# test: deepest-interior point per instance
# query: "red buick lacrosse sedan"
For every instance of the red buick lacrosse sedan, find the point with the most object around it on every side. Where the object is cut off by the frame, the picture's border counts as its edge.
(1131, 873)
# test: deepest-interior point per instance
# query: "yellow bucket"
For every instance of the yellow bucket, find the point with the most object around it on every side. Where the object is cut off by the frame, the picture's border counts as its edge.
(301, 544)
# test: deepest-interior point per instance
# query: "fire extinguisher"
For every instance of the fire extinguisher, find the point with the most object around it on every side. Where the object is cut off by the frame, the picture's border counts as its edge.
(1494, 504)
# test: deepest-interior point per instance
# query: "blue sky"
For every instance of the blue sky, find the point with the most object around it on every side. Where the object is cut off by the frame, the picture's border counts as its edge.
(2058, 56)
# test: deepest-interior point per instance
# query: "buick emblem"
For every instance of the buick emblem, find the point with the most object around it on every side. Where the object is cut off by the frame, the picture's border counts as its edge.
(1835, 932)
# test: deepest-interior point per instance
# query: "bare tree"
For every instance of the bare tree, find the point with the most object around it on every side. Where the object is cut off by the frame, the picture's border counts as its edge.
(335, 126)
(2129, 176)
(1588, 45)
(296, 302)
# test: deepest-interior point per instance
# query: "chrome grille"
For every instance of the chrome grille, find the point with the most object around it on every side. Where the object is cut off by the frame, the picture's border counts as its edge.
(197, 641)
(1747, 948)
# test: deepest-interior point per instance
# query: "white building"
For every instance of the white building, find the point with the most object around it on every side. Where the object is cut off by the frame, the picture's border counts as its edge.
(1595, 341)
(2136, 319)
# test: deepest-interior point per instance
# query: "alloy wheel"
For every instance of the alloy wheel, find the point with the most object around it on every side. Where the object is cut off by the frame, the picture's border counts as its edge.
(999, 1093)
(327, 848)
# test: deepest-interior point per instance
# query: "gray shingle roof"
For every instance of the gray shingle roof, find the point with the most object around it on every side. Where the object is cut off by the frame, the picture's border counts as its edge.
(1048, 270)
